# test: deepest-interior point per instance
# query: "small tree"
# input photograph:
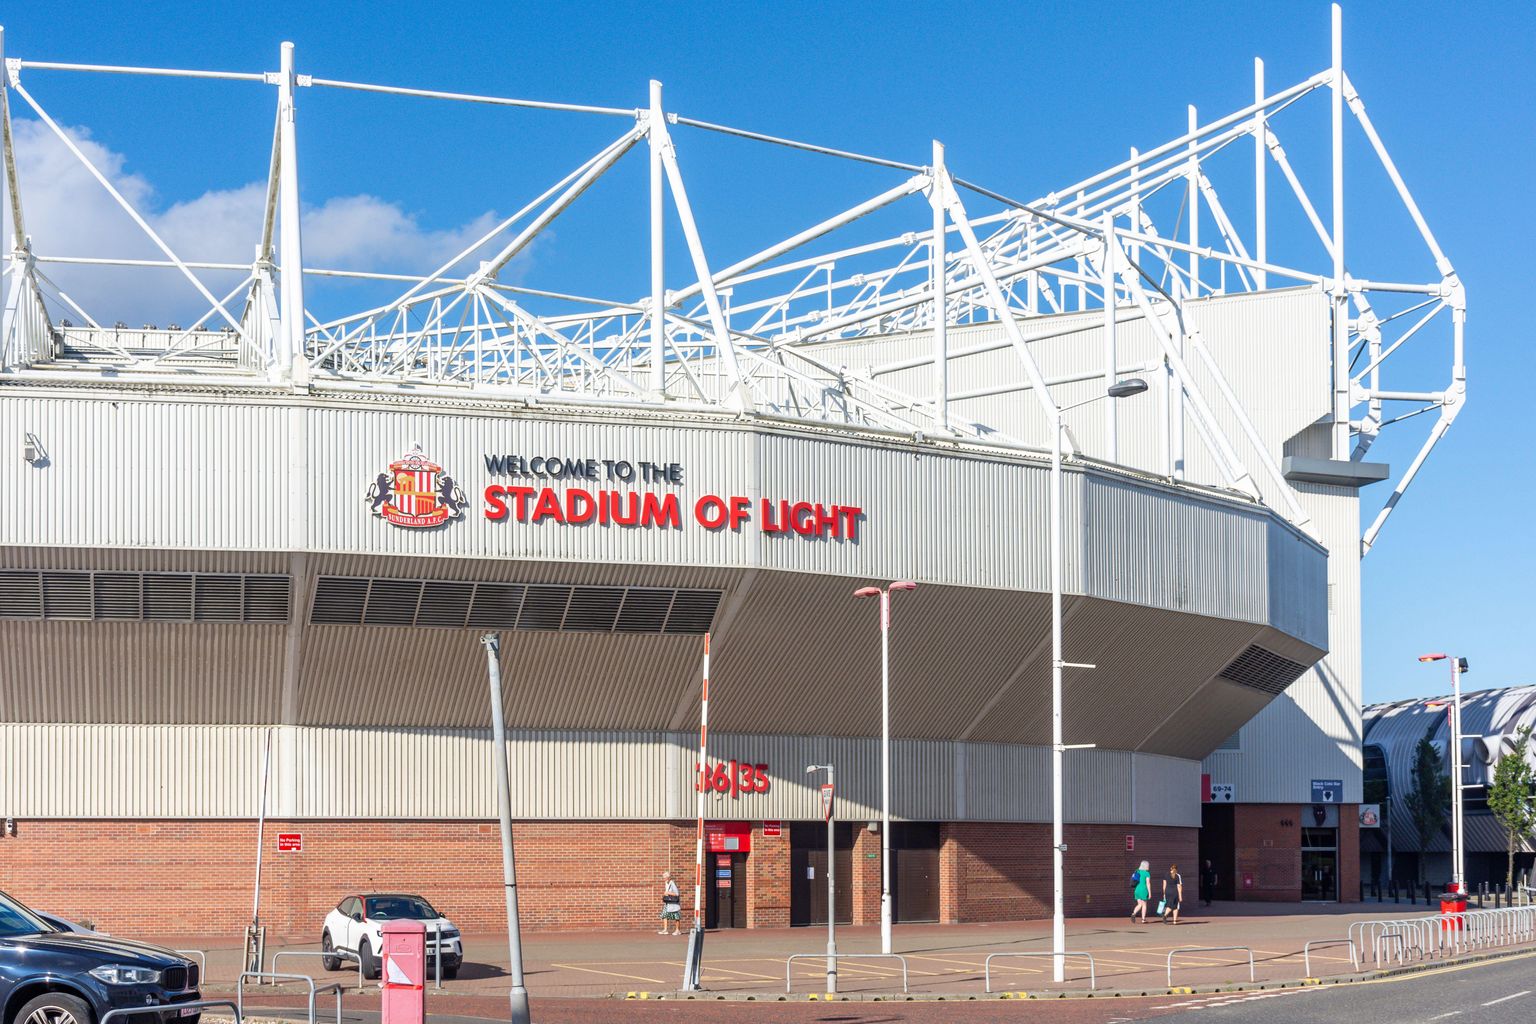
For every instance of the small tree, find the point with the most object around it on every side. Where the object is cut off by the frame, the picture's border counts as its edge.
(1509, 798)
(1430, 798)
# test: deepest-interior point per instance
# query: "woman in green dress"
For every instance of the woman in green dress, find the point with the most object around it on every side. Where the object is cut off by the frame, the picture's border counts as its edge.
(1141, 891)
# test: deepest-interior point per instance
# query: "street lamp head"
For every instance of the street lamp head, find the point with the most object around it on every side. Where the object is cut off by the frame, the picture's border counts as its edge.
(1126, 388)
(867, 592)
(902, 585)
(1431, 657)
(812, 769)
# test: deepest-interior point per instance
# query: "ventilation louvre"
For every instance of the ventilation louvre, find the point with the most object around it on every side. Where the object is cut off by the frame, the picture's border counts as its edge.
(448, 604)
(1262, 670)
(143, 597)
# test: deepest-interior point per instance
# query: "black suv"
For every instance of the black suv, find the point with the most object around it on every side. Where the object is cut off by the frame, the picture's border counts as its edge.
(49, 976)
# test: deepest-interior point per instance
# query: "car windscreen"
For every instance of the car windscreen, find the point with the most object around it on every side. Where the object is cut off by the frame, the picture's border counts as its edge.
(399, 908)
(16, 919)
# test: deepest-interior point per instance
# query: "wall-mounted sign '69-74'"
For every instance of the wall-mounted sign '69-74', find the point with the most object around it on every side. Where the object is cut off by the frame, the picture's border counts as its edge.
(415, 493)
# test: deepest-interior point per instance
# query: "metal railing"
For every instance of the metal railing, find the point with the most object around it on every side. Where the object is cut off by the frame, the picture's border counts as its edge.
(202, 961)
(315, 991)
(335, 954)
(1093, 974)
(1442, 935)
(1209, 949)
(1306, 953)
(844, 956)
(172, 1008)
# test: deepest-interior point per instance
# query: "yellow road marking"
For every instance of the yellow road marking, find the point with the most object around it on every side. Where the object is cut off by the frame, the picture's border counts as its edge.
(611, 974)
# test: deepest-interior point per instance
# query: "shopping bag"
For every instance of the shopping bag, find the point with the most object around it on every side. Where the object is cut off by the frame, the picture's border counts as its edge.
(1162, 907)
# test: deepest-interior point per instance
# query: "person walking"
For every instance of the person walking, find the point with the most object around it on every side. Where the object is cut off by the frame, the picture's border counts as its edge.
(671, 904)
(1173, 894)
(1207, 882)
(1141, 890)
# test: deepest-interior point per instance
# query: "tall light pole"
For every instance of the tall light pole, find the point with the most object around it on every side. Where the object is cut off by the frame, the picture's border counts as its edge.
(885, 751)
(518, 995)
(829, 791)
(1122, 389)
(1458, 868)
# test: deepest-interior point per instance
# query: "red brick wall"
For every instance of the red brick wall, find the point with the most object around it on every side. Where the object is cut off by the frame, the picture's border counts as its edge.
(768, 880)
(866, 875)
(1268, 847)
(195, 877)
(1001, 872)
(1349, 853)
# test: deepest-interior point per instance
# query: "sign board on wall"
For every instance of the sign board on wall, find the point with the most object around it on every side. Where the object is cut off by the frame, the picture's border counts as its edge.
(1370, 815)
(1327, 791)
(1223, 793)
(773, 829)
(1130, 844)
(290, 842)
(728, 836)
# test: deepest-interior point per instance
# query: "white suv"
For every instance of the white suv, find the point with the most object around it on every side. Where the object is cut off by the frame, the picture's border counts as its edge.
(356, 928)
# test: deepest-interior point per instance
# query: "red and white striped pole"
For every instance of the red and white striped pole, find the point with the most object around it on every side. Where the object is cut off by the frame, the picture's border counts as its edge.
(698, 867)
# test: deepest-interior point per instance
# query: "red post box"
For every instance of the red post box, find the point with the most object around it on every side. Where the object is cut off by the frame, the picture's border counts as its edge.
(405, 972)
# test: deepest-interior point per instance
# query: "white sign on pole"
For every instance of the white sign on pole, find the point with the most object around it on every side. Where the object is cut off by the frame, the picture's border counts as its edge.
(1223, 793)
(826, 801)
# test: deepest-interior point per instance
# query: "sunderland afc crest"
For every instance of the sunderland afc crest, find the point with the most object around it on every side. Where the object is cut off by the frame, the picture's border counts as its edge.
(415, 493)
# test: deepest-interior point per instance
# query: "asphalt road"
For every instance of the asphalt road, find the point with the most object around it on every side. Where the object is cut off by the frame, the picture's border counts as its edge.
(1495, 992)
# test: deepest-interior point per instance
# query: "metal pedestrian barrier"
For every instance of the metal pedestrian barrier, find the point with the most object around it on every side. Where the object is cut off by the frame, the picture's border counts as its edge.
(335, 954)
(1306, 953)
(315, 991)
(202, 960)
(1093, 975)
(171, 1008)
(1209, 949)
(1442, 935)
(845, 956)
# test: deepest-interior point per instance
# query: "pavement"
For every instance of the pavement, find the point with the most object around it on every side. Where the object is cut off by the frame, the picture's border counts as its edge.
(942, 960)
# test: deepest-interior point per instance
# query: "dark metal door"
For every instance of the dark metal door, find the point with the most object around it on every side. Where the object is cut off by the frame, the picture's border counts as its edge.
(915, 871)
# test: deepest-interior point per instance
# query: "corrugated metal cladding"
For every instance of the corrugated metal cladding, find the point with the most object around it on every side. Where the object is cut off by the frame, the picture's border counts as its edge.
(1272, 349)
(1313, 729)
(270, 477)
(214, 771)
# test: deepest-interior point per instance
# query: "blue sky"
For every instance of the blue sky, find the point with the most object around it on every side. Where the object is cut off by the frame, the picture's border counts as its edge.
(1026, 97)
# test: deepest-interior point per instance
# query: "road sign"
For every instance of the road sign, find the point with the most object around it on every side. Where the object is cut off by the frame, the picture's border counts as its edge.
(826, 801)
(1327, 791)
(290, 842)
(1223, 793)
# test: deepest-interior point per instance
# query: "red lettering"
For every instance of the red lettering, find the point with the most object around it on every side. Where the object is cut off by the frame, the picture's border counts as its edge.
(629, 516)
(741, 511)
(828, 521)
(495, 508)
(736, 778)
(548, 506)
(797, 518)
(851, 515)
(762, 778)
(579, 506)
(770, 525)
(709, 511)
(661, 510)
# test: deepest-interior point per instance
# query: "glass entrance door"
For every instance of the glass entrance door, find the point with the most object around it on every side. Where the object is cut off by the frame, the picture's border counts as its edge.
(1320, 876)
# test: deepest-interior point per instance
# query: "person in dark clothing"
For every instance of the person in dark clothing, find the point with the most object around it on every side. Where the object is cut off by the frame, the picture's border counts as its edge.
(1207, 883)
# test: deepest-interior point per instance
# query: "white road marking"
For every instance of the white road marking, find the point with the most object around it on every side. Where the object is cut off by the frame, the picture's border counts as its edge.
(1505, 999)
(1445, 1015)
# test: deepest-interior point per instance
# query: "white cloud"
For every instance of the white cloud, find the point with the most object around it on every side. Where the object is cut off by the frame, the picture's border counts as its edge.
(68, 213)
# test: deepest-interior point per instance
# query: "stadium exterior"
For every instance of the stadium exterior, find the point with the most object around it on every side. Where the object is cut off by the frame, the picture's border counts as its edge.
(252, 558)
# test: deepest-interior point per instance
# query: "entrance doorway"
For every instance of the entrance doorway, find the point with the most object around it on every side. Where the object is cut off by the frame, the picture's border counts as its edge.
(808, 873)
(915, 871)
(1320, 865)
(725, 892)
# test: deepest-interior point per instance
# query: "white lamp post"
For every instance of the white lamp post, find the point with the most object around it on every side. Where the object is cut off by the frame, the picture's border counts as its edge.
(1122, 389)
(1458, 867)
(885, 751)
(831, 786)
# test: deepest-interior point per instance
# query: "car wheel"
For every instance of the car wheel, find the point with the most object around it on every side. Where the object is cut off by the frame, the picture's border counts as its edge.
(330, 963)
(365, 957)
(449, 973)
(54, 1008)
